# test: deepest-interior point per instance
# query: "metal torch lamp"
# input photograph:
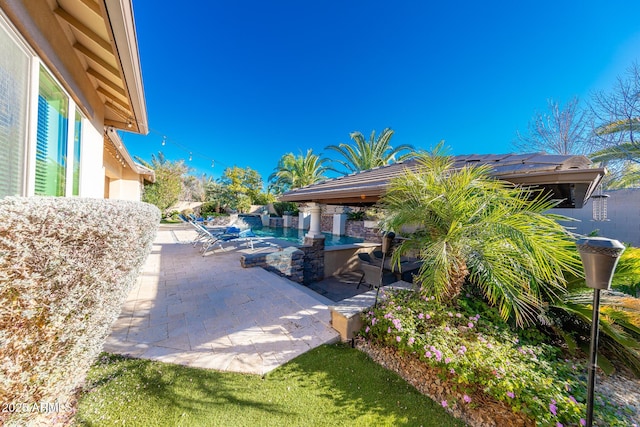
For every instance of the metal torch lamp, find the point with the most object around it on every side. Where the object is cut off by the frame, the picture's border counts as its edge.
(599, 259)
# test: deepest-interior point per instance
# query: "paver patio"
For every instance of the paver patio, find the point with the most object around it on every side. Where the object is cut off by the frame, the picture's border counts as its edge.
(209, 312)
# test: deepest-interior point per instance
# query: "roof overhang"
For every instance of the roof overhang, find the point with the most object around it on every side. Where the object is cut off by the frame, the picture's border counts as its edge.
(91, 47)
(116, 148)
(568, 179)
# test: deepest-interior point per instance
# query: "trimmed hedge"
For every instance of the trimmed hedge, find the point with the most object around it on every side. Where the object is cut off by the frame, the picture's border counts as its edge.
(66, 267)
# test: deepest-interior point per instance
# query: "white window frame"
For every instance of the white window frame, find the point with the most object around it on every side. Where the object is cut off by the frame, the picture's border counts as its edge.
(29, 168)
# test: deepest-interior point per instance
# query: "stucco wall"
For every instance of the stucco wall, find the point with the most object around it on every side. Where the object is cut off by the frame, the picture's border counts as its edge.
(623, 213)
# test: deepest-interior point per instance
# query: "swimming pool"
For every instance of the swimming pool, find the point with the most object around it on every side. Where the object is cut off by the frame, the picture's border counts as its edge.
(297, 236)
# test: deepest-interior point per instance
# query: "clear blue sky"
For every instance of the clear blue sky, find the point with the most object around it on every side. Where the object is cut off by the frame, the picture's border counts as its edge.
(244, 82)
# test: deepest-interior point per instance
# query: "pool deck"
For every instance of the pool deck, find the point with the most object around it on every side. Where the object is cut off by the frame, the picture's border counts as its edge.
(209, 312)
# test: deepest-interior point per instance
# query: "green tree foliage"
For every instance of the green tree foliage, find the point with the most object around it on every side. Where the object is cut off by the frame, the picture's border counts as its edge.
(471, 227)
(241, 187)
(165, 192)
(297, 171)
(362, 154)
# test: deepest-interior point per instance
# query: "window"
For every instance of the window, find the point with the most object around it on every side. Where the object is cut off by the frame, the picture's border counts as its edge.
(51, 145)
(77, 141)
(14, 100)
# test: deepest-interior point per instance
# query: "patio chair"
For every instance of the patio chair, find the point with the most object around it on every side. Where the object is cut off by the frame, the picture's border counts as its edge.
(371, 275)
(244, 236)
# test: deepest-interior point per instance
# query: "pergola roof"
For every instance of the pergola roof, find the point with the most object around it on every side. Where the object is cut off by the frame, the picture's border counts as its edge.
(569, 179)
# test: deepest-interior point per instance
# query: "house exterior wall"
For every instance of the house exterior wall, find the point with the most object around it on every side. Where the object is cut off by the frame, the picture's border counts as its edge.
(38, 29)
(623, 217)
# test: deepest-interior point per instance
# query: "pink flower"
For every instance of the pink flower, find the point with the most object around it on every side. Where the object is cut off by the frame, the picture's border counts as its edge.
(438, 355)
(553, 409)
(450, 314)
(573, 399)
(470, 325)
(462, 350)
(428, 355)
(411, 340)
(389, 330)
(453, 371)
(398, 338)
(458, 315)
(366, 331)
(511, 394)
(373, 321)
(466, 398)
(447, 360)
(559, 424)
(583, 422)
(421, 316)
(444, 403)
(427, 316)
(447, 329)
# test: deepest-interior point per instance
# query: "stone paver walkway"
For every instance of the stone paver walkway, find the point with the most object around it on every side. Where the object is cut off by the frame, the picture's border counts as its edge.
(209, 312)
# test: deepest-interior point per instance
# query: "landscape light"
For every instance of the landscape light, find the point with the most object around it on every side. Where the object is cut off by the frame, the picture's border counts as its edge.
(599, 258)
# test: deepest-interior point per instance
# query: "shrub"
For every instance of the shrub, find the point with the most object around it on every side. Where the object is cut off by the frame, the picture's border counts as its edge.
(355, 216)
(282, 207)
(208, 209)
(473, 349)
(66, 266)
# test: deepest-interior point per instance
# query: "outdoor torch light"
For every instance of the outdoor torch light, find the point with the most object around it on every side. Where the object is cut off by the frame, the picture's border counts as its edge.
(599, 258)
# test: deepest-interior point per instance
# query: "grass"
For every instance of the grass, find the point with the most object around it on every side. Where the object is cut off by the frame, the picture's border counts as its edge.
(328, 386)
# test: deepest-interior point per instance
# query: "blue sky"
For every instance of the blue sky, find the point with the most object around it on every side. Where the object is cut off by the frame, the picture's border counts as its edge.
(244, 82)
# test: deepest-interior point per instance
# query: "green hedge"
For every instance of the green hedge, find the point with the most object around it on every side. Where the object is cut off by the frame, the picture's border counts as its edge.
(66, 267)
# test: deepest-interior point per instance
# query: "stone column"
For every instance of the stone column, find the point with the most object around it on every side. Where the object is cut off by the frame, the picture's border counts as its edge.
(314, 227)
(339, 221)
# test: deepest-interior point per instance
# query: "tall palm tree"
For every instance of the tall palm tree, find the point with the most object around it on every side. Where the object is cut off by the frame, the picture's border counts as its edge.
(297, 171)
(471, 227)
(363, 154)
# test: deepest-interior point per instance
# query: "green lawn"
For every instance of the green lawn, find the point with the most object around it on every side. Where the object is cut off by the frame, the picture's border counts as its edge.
(329, 386)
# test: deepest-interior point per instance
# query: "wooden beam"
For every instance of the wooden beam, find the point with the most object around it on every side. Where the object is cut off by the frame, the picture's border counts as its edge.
(95, 58)
(113, 99)
(106, 82)
(125, 115)
(91, 4)
(75, 23)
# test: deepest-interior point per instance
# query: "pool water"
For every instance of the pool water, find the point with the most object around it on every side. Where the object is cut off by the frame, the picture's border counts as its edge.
(297, 236)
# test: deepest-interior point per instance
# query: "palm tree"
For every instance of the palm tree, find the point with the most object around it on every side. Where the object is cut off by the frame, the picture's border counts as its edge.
(297, 171)
(473, 228)
(364, 155)
(623, 162)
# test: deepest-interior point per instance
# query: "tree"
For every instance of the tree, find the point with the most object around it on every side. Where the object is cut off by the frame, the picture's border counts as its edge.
(297, 171)
(364, 155)
(561, 130)
(618, 116)
(165, 192)
(242, 185)
(624, 172)
(471, 227)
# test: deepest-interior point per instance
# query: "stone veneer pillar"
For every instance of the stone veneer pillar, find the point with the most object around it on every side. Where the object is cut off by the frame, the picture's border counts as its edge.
(314, 247)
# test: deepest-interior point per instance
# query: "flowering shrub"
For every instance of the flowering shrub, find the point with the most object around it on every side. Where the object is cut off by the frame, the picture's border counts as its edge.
(474, 352)
(66, 266)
